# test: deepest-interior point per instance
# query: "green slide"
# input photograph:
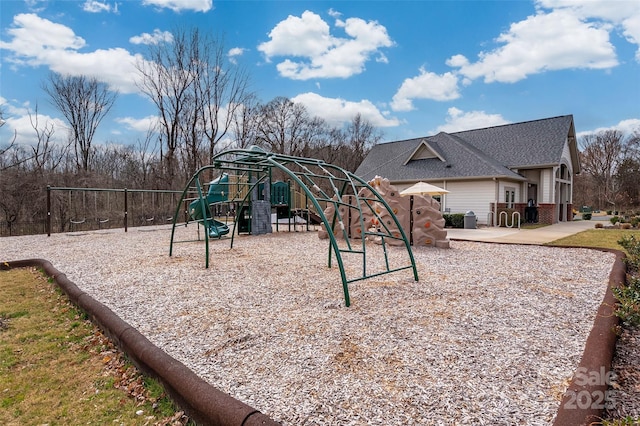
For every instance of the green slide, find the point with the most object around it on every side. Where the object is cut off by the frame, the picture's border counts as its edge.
(215, 194)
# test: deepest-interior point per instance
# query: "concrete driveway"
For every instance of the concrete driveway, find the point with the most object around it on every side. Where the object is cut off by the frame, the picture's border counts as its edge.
(541, 235)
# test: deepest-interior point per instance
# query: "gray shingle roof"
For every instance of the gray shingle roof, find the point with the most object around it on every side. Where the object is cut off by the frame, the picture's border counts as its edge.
(481, 153)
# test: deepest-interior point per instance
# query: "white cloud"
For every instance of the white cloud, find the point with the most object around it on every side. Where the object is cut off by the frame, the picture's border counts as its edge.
(234, 53)
(18, 123)
(632, 32)
(32, 34)
(623, 14)
(427, 85)
(94, 6)
(458, 120)
(318, 54)
(602, 9)
(139, 124)
(338, 111)
(36, 5)
(627, 127)
(180, 5)
(382, 58)
(334, 13)
(156, 38)
(39, 42)
(298, 36)
(543, 42)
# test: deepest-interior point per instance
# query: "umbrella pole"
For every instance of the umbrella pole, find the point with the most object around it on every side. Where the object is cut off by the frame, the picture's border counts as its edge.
(411, 220)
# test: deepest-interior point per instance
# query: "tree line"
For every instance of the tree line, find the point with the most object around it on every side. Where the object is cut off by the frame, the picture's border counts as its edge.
(204, 106)
(610, 177)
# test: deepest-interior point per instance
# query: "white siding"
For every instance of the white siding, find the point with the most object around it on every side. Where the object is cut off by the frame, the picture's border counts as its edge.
(546, 186)
(533, 178)
(476, 196)
(512, 186)
(566, 155)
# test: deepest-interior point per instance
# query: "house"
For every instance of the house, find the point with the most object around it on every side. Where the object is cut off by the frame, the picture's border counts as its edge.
(490, 170)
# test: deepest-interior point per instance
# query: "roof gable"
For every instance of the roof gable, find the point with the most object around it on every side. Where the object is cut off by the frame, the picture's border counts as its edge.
(473, 154)
(424, 151)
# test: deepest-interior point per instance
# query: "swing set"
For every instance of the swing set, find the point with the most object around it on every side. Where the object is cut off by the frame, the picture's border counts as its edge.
(86, 209)
(100, 221)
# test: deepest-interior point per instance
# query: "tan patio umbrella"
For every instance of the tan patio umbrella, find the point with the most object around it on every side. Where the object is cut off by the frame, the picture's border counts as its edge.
(422, 188)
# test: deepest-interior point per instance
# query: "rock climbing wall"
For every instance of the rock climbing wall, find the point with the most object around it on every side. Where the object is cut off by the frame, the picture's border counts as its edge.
(428, 223)
(349, 222)
(382, 218)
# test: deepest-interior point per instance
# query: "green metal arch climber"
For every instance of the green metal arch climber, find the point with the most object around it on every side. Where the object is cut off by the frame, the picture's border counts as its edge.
(322, 183)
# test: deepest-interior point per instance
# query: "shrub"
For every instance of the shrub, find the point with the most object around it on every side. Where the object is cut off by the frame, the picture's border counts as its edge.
(614, 220)
(609, 212)
(586, 216)
(599, 225)
(628, 295)
(632, 245)
(455, 220)
(625, 226)
(628, 307)
(635, 221)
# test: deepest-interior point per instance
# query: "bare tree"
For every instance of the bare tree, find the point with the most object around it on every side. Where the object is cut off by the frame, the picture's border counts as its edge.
(601, 157)
(84, 102)
(46, 156)
(147, 150)
(223, 88)
(628, 181)
(346, 147)
(11, 143)
(196, 92)
(166, 80)
(361, 135)
(245, 123)
(287, 128)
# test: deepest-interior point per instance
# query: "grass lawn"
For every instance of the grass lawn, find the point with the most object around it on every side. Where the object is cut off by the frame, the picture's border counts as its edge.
(56, 367)
(600, 238)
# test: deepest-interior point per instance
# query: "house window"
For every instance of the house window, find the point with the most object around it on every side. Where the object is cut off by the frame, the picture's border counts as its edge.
(510, 197)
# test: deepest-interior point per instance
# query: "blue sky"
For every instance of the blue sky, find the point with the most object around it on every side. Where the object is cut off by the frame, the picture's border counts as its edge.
(412, 68)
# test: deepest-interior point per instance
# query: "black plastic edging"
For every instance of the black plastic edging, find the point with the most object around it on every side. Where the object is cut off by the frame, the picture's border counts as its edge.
(585, 399)
(202, 402)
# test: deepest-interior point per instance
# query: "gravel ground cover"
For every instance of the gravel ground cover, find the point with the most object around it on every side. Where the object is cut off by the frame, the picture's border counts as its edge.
(490, 334)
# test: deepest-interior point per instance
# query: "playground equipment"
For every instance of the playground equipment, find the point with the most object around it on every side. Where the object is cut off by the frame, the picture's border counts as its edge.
(419, 217)
(250, 189)
(198, 210)
(97, 208)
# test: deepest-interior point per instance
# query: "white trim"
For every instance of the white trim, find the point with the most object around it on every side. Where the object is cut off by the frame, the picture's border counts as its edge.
(424, 145)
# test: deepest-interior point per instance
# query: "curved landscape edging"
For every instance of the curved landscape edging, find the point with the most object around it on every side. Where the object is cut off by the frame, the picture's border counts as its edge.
(585, 399)
(208, 405)
(591, 378)
(202, 402)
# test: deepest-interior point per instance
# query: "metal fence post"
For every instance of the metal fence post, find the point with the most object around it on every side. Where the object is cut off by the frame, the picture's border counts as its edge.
(125, 210)
(48, 210)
